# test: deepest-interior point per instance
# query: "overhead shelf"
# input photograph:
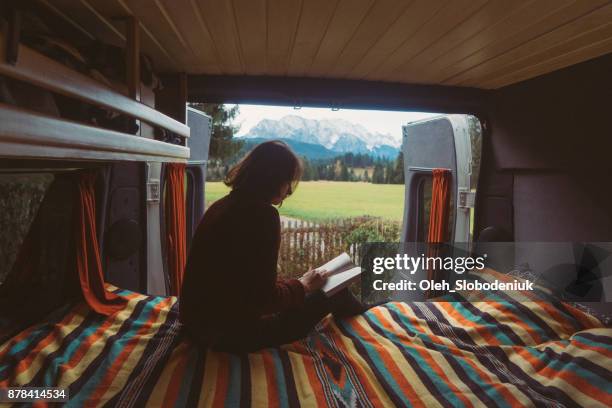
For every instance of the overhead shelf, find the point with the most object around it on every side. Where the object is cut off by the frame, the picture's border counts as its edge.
(39, 70)
(26, 134)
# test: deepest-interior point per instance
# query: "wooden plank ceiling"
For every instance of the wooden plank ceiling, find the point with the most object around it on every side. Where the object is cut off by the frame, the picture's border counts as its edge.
(473, 43)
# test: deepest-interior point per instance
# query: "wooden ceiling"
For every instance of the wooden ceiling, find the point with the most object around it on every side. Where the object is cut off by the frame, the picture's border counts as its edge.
(472, 43)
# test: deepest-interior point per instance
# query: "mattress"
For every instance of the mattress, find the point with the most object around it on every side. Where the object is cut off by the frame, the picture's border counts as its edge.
(494, 353)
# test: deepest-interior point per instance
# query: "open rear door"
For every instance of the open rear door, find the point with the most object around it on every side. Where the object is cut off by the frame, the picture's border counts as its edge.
(199, 143)
(440, 142)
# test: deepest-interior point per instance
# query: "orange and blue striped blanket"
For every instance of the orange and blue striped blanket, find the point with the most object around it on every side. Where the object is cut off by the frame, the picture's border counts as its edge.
(419, 354)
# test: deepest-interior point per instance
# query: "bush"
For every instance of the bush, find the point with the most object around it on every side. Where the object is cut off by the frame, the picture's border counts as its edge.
(307, 244)
(370, 229)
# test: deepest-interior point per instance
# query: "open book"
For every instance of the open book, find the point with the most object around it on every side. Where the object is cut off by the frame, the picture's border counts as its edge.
(342, 272)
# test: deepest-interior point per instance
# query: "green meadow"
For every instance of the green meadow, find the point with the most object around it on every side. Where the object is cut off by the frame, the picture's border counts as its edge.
(319, 200)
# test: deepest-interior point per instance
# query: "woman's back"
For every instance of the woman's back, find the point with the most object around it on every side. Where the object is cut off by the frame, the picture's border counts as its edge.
(231, 298)
(232, 264)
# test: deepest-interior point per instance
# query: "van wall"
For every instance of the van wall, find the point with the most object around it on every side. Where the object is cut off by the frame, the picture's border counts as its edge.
(547, 162)
(548, 158)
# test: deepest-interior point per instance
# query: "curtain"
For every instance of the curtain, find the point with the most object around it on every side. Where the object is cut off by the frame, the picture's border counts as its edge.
(438, 215)
(176, 241)
(36, 268)
(438, 222)
(88, 263)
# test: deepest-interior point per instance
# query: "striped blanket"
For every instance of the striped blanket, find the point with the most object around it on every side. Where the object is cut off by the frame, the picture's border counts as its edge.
(419, 354)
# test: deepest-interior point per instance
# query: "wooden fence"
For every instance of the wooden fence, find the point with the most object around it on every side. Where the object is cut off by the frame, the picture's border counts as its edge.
(306, 245)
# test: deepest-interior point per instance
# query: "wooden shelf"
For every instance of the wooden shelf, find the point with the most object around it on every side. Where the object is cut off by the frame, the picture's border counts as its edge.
(26, 134)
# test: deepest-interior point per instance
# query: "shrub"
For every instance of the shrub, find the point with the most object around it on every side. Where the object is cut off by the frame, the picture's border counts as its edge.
(306, 244)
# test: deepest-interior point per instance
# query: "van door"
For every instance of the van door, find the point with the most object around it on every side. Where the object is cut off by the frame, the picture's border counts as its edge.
(199, 143)
(440, 142)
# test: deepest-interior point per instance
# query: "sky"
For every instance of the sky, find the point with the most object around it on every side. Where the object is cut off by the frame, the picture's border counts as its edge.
(375, 121)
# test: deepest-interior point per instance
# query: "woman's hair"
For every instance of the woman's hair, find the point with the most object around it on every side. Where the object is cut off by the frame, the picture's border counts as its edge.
(265, 169)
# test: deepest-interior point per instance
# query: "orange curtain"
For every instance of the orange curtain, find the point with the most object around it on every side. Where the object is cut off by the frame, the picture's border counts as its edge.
(438, 215)
(176, 224)
(438, 222)
(89, 265)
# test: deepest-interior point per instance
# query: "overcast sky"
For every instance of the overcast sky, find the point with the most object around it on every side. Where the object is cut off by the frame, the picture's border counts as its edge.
(375, 121)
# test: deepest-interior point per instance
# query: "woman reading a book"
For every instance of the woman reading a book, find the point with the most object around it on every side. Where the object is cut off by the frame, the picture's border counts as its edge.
(232, 299)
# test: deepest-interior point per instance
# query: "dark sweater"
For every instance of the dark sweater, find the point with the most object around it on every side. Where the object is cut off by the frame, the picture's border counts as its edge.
(230, 279)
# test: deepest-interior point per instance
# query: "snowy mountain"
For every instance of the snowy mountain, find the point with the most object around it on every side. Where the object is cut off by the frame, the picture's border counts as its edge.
(336, 135)
(309, 150)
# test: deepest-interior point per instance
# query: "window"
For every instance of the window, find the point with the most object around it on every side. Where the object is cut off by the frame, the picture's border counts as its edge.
(424, 207)
(20, 199)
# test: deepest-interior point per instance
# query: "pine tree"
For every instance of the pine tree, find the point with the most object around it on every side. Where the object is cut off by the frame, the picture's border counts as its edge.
(307, 173)
(315, 173)
(344, 173)
(331, 173)
(398, 173)
(389, 173)
(378, 176)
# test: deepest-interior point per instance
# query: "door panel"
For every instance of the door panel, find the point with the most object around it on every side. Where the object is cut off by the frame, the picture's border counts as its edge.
(157, 283)
(198, 143)
(440, 142)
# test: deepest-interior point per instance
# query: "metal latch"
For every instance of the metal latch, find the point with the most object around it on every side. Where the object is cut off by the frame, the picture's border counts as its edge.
(153, 193)
(467, 199)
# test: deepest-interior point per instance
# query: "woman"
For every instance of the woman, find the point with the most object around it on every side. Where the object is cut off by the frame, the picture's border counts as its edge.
(231, 298)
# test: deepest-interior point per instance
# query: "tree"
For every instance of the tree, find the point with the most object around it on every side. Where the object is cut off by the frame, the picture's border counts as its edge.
(344, 173)
(389, 172)
(310, 170)
(223, 146)
(315, 173)
(378, 175)
(398, 171)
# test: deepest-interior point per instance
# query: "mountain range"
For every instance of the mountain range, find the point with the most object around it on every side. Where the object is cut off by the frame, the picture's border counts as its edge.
(325, 138)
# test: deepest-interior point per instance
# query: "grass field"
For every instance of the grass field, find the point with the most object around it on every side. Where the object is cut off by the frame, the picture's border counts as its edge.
(317, 200)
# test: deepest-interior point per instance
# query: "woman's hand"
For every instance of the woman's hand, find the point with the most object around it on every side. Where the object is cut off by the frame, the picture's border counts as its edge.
(313, 280)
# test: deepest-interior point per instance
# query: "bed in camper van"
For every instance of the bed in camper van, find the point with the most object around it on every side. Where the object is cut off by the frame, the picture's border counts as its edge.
(103, 169)
(453, 353)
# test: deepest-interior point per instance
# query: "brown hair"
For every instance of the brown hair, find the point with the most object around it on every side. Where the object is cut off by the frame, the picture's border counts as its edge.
(265, 169)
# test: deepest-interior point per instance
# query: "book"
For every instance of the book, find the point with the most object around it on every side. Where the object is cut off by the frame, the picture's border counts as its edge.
(341, 273)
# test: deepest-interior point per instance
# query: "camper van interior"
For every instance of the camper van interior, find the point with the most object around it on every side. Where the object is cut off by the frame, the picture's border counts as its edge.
(102, 180)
